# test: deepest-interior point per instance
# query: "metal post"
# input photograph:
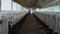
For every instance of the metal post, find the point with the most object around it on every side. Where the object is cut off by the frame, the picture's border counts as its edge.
(11, 5)
(16, 7)
(19, 8)
(0, 5)
(22, 8)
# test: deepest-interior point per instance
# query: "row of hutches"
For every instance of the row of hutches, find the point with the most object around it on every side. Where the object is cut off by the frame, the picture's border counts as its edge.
(52, 19)
(6, 17)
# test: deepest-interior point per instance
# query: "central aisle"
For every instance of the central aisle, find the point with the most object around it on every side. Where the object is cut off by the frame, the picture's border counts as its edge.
(30, 26)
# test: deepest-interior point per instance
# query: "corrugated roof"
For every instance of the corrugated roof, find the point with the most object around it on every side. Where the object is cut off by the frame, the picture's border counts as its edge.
(37, 3)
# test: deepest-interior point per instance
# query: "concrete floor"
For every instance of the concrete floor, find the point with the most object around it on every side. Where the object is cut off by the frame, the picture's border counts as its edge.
(30, 26)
